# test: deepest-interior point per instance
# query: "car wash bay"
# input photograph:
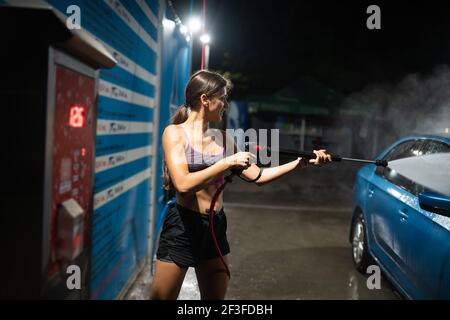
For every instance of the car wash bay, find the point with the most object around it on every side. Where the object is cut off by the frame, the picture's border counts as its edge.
(289, 240)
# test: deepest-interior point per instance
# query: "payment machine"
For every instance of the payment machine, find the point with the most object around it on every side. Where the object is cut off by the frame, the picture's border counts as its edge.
(49, 100)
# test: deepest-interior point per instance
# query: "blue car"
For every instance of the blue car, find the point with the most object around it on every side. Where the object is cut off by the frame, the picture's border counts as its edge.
(401, 225)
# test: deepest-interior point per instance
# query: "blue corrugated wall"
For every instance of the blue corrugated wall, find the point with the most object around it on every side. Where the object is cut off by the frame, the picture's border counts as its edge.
(134, 101)
(126, 107)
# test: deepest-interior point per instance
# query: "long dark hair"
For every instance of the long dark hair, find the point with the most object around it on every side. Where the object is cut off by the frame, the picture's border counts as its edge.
(202, 82)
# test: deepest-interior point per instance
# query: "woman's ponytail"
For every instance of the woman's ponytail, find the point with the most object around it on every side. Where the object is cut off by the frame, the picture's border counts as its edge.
(180, 115)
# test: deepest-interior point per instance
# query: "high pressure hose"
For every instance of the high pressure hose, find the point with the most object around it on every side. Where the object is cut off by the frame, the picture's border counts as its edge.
(211, 213)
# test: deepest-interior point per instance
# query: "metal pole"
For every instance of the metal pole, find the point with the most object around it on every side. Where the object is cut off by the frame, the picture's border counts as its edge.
(191, 40)
(191, 53)
(206, 56)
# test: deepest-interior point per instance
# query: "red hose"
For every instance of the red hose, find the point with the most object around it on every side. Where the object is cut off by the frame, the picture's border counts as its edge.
(211, 223)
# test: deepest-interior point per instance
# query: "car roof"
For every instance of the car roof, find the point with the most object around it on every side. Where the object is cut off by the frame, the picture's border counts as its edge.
(442, 138)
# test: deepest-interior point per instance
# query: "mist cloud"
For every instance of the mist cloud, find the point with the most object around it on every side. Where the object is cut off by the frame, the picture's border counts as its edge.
(418, 104)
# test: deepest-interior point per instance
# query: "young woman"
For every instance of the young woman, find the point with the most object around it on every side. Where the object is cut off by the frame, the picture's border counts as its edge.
(195, 164)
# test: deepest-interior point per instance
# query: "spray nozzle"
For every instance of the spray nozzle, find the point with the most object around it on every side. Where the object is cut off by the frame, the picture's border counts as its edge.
(381, 163)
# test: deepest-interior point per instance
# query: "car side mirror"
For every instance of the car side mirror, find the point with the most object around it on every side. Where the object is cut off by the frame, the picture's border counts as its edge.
(435, 202)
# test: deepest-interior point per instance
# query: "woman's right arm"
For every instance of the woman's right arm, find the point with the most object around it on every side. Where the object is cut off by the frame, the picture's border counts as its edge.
(185, 181)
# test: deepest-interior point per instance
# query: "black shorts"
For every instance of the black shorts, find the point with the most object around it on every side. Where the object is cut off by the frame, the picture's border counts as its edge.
(186, 239)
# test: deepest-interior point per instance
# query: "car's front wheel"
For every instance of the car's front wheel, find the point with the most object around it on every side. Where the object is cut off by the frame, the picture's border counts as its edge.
(360, 252)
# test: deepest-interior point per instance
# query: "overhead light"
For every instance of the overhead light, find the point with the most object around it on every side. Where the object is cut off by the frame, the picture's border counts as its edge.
(205, 38)
(194, 25)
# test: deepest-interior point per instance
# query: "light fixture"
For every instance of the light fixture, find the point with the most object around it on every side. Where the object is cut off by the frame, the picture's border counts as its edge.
(205, 38)
(194, 25)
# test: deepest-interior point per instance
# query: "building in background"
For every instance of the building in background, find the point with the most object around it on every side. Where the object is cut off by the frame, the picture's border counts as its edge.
(310, 115)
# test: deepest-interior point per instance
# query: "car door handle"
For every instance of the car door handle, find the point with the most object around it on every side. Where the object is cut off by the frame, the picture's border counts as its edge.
(403, 214)
(371, 192)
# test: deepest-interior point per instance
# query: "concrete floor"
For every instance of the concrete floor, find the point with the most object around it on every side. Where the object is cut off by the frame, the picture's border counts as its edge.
(289, 240)
(292, 253)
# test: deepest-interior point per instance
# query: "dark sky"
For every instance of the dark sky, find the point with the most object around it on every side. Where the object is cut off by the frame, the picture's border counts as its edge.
(272, 43)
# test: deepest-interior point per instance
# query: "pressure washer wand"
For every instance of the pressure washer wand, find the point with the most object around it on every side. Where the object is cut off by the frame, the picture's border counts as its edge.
(312, 155)
(382, 163)
(334, 157)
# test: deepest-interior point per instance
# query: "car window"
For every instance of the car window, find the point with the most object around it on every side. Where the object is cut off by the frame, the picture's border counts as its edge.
(402, 150)
(416, 149)
(432, 147)
(410, 148)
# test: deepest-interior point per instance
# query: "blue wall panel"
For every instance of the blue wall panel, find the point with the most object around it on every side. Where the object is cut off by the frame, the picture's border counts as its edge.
(175, 75)
(128, 93)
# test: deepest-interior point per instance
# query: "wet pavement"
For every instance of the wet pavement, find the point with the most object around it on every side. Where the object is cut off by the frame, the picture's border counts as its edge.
(291, 253)
(289, 240)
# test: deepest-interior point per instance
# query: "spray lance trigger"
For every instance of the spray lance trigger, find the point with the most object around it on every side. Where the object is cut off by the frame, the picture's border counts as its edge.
(247, 146)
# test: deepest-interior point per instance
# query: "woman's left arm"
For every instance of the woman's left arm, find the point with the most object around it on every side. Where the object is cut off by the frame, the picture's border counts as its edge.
(273, 173)
(270, 174)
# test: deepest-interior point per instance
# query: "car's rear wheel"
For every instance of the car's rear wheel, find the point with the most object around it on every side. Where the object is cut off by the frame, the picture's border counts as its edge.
(360, 252)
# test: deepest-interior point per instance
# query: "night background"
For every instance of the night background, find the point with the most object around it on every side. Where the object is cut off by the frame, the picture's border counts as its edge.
(316, 62)
(268, 44)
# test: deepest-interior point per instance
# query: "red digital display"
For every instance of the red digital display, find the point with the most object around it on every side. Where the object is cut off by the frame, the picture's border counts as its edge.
(72, 159)
(77, 117)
